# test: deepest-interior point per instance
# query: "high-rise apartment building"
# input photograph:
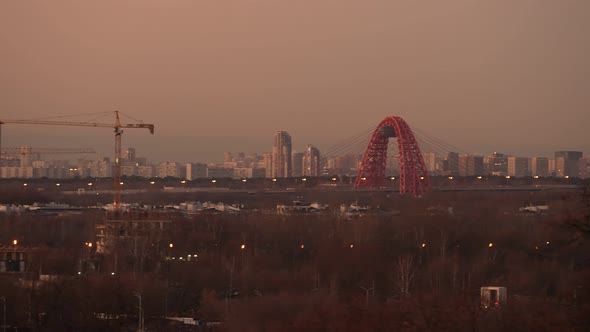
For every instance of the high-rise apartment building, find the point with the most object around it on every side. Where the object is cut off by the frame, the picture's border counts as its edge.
(281, 155)
(297, 161)
(168, 169)
(540, 166)
(518, 166)
(267, 161)
(470, 165)
(498, 164)
(130, 154)
(453, 163)
(195, 171)
(311, 161)
(567, 163)
(430, 162)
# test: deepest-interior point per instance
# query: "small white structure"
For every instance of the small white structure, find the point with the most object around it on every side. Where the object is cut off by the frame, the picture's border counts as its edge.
(531, 208)
(493, 297)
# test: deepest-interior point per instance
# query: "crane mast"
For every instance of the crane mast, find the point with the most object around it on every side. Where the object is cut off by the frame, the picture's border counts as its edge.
(117, 126)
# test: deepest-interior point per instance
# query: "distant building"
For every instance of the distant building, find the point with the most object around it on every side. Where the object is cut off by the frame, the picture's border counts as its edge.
(430, 162)
(228, 157)
(128, 170)
(248, 173)
(195, 171)
(585, 167)
(130, 154)
(518, 166)
(281, 155)
(498, 164)
(267, 160)
(297, 160)
(219, 172)
(168, 169)
(470, 165)
(540, 166)
(567, 163)
(311, 161)
(453, 163)
(146, 171)
(347, 164)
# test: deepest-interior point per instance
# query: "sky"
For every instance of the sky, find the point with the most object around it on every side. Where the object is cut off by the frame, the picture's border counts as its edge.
(224, 75)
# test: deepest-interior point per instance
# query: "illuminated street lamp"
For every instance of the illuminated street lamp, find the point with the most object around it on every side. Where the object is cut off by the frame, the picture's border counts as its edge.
(302, 246)
(183, 181)
(25, 184)
(490, 245)
(450, 177)
(243, 246)
(423, 245)
(58, 184)
(121, 183)
(213, 181)
(392, 178)
(334, 179)
(274, 180)
(304, 179)
(363, 179)
(479, 177)
(89, 184)
(507, 176)
(421, 178)
(244, 180)
(171, 245)
(152, 182)
(351, 246)
(14, 242)
(536, 177)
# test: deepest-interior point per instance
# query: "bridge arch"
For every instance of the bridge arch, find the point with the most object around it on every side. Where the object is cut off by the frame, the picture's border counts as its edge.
(413, 177)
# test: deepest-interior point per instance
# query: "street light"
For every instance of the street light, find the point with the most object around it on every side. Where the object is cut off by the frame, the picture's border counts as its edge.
(183, 181)
(15, 242)
(171, 245)
(490, 245)
(243, 246)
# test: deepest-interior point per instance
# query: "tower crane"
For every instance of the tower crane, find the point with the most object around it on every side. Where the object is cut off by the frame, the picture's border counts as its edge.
(117, 126)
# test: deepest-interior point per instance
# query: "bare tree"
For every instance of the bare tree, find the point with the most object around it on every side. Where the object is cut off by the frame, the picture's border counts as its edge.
(405, 274)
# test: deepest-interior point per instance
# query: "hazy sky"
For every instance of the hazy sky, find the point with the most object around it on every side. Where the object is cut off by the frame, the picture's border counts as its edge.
(224, 75)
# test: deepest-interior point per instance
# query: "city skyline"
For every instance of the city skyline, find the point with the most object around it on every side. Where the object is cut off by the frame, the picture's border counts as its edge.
(212, 76)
